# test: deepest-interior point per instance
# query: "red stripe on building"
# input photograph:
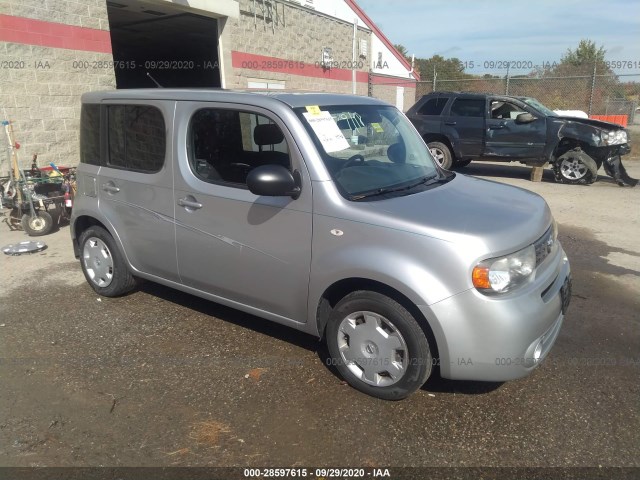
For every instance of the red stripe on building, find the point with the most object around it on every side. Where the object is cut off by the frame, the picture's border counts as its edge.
(293, 67)
(55, 35)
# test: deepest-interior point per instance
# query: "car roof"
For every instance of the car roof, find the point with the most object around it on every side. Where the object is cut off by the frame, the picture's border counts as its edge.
(479, 94)
(249, 97)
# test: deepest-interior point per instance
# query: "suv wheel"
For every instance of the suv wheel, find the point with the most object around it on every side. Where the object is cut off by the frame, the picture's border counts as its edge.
(103, 265)
(575, 167)
(441, 154)
(377, 346)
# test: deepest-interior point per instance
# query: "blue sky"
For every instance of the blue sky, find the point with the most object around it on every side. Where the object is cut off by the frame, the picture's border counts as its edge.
(527, 31)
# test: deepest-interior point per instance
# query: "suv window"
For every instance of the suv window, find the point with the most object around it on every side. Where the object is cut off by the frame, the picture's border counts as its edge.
(90, 134)
(434, 106)
(225, 145)
(468, 107)
(137, 138)
(505, 110)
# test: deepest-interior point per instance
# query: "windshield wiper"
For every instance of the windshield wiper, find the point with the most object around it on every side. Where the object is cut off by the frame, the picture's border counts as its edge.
(384, 191)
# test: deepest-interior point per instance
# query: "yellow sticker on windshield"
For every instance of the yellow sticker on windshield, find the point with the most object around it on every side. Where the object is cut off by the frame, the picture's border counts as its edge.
(313, 109)
(377, 127)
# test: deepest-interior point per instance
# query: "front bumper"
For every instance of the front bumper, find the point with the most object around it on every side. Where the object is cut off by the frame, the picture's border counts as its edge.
(503, 337)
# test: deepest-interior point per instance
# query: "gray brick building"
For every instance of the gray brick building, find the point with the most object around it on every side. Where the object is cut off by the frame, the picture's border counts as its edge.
(52, 51)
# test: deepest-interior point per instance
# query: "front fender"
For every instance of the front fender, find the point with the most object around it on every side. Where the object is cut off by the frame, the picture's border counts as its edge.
(424, 279)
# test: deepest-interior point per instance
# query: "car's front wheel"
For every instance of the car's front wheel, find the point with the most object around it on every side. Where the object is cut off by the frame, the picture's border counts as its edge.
(575, 167)
(378, 346)
(103, 265)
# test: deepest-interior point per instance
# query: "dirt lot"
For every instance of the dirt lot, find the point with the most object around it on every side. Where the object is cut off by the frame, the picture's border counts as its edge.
(162, 378)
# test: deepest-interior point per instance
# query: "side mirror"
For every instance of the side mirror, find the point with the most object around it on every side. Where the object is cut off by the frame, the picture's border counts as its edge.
(525, 118)
(273, 181)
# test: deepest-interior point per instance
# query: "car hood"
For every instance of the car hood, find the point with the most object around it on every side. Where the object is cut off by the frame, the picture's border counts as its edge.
(593, 123)
(477, 214)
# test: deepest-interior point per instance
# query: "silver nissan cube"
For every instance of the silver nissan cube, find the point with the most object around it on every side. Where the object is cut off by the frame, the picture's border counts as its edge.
(325, 213)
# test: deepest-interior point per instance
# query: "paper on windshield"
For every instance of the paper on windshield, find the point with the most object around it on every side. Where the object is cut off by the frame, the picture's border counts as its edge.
(327, 131)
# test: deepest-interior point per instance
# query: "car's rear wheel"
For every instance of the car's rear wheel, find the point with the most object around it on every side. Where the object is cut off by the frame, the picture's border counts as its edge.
(103, 265)
(576, 168)
(441, 154)
(378, 346)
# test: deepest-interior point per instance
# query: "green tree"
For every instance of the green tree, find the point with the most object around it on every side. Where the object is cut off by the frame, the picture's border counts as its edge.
(402, 50)
(586, 53)
(445, 68)
(581, 60)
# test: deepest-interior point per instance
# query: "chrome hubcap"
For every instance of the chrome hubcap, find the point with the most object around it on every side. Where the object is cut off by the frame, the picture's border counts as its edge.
(573, 169)
(98, 262)
(372, 348)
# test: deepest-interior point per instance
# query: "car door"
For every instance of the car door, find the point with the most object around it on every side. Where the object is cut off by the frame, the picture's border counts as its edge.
(247, 249)
(135, 186)
(464, 125)
(509, 138)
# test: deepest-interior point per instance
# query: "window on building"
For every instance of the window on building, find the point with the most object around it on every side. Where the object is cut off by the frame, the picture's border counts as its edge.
(90, 134)
(468, 107)
(225, 145)
(265, 84)
(434, 106)
(136, 138)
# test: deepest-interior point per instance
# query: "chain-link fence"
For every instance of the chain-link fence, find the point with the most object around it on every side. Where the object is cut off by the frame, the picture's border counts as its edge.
(593, 94)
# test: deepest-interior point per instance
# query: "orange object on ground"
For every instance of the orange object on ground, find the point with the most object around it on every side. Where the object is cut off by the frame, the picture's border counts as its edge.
(619, 119)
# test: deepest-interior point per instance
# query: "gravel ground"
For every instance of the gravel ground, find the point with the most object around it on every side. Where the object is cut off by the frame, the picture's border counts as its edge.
(162, 378)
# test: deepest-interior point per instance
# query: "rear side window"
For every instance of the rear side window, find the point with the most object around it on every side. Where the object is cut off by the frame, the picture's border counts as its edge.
(434, 106)
(468, 107)
(137, 138)
(90, 134)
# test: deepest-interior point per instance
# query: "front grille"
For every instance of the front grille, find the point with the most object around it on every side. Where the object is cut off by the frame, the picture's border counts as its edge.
(544, 245)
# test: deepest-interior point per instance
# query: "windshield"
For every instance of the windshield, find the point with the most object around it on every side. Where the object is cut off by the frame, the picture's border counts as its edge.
(540, 107)
(370, 150)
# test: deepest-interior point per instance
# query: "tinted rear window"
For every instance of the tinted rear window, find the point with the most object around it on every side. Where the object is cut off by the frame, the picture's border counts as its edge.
(137, 138)
(90, 134)
(434, 106)
(468, 107)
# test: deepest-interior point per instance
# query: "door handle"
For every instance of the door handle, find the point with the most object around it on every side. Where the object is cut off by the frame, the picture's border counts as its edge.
(496, 127)
(110, 187)
(449, 123)
(189, 204)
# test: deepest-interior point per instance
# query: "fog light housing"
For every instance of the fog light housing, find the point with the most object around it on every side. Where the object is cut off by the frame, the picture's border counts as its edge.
(537, 352)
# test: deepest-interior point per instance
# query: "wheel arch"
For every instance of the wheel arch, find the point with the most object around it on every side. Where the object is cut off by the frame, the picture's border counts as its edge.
(341, 288)
(568, 143)
(82, 222)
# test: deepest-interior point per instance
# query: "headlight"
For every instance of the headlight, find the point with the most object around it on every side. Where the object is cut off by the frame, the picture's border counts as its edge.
(505, 273)
(616, 137)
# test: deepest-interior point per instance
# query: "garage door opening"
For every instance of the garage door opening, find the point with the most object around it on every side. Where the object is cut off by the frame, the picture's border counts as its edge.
(176, 47)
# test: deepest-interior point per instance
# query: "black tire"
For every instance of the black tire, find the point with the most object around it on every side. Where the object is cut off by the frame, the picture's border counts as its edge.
(412, 352)
(38, 225)
(103, 265)
(460, 164)
(575, 167)
(441, 154)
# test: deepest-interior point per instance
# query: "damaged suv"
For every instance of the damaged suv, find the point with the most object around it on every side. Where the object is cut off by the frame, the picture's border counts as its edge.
(460, 127)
